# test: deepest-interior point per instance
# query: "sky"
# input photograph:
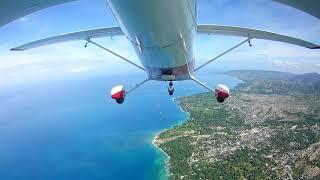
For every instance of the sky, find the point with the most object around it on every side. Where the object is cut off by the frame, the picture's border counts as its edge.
(67, 60)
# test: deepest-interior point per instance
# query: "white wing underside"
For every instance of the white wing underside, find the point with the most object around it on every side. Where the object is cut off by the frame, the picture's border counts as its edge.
(207, 29)
(255, 34)
(11, 10)
(81, 35)
(308, 6)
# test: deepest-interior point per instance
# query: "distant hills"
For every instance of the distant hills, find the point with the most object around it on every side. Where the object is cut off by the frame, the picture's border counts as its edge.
(309, 78)
(250, 75)
(277, 82)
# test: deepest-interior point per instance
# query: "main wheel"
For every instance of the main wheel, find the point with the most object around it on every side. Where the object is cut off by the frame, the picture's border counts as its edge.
(220, 99)
(120, 101)
(171, 91)
(171, 88)
(118, 93)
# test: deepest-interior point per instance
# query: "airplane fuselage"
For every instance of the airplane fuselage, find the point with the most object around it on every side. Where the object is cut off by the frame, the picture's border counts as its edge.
(162, 34)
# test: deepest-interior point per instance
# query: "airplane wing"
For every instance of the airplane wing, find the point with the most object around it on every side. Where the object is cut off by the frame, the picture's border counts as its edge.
(311, 7)
(253, 33)
(11, 10)
(81, 35)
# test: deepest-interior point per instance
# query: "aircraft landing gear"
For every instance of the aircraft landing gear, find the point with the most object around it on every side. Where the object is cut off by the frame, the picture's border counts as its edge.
(171, 88)
(119, 93)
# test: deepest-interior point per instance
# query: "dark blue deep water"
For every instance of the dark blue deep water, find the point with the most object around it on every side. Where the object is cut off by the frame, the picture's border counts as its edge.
(72, 130)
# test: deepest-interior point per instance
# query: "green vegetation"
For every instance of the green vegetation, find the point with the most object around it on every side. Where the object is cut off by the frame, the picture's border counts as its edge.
(182, 149)
(242, 164)
(267, 130)
(294, 139)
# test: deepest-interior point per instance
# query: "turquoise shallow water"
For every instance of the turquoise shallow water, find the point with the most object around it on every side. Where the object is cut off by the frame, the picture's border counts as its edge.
(71, 130)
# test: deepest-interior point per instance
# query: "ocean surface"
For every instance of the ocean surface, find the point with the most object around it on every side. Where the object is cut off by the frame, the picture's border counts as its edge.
(72, 130)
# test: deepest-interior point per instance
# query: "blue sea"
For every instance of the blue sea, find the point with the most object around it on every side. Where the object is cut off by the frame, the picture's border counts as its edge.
(71, 129)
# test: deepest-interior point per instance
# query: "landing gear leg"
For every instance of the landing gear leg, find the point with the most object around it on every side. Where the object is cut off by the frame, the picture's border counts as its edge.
(171, 88)
(119, 93)
(221, 91)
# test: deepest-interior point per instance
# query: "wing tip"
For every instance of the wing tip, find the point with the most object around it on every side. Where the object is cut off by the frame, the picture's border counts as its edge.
(17, 49)
(315, 47)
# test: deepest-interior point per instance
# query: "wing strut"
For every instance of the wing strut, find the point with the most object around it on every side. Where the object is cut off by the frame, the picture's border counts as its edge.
(137, 85)
(189, 71)
(224, 53)
(115, 54)
(202, 84)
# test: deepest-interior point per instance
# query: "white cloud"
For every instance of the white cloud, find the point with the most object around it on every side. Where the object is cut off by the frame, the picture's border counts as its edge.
(65, 59)
(284, 50)
(286, 64)
(79, 69)
(282, 63)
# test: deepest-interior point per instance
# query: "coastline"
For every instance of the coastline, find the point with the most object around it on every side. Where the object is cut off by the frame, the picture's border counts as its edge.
(156, 142)
(167, 157)
(246, 137)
